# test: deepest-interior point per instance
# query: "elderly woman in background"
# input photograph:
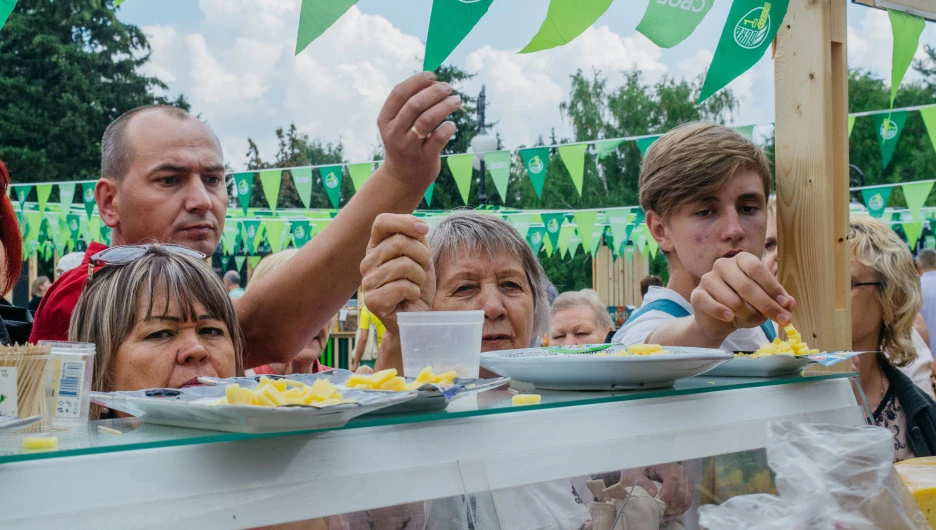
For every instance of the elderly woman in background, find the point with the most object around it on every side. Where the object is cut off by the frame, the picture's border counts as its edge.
(578, 318)
(471, 261)
(175, 325)
(885, 296)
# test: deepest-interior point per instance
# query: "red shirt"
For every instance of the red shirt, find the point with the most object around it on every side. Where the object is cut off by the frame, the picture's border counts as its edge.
(54, 314)
(264, 369)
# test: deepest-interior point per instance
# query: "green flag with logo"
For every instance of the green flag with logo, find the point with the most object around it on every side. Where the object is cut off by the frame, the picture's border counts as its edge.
(301, 232)
(929, 120)
(74, 226)
(536, 160)
(243, 183)
(644, 143)
(315, 16)
(535, 238)
(302, 180)
(270, 181)
(449, 23)
(888, 132)
(87, 197)
(251, 231)
(565, 20)
(915, 193)
(331, 179)
(585, 221)
(22, 193)
(521, 222)
(498, 163)
(668, 22)
(553, 222)
(906, 29)
(360, 173)
(876, 199)
(229, 240)
(6, 7)
(604, 148)
(225, 262)
(428, 194)
(573, 156)
(461, 168)
(43, 191)
(239, 262)
(748, 32)
(66, 195)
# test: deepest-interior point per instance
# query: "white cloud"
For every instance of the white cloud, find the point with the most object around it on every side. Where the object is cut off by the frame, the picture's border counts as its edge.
(694, 66)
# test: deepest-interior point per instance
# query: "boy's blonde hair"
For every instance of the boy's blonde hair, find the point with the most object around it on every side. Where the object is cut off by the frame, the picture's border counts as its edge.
(694, 161)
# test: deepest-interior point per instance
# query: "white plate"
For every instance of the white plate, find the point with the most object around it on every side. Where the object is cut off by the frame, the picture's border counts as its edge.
(582, 369)
(429, 397)
(768, 366)
(190, 407)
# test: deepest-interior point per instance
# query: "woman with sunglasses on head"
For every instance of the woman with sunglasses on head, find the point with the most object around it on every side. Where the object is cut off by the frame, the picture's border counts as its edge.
(160, 318)
(885, 298)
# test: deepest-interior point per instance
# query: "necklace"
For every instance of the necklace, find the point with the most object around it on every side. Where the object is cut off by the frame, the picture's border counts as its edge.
(883, 383)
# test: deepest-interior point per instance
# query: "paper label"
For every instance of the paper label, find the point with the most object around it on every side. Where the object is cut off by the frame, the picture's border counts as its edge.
(68, 390)
(8, 403)
(835, 357)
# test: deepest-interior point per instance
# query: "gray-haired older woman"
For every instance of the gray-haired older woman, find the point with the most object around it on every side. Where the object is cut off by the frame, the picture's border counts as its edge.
(471, 261)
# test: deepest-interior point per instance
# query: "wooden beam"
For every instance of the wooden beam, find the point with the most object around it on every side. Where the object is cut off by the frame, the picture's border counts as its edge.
(811, 88)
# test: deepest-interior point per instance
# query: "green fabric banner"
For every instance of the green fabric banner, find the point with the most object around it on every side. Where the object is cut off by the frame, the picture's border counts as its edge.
(746, 131)
(43, 191)
(548, 247)
(243, 183)
(553, 222)
(315, 16)
(449, 23)
(536, 160)
(22, 193)
(225, 262)
(851, 125)
(229, 240)
(74, 226)
(573, 156)
(87, 197)
(275, 229)
(360, 173)
(461, 166)
(876, 199)
(302, 180)
(6, 7)
(331, 179)
(929, 120)
(668, 22)
(239, 262)
(428, 194)
(66, 195)
(906, 29)
(254, 261)
(250, 233)
(565, 236)
(565, 20)
(270, 181)
(617, 220)
(644, 143)
(912, 230)
(535, 238)
(604, 148)
(888, 133)
(301, 232)
(105, 234)
(915, 193)
(930, 242)
(574, 246)
(498, 163)
(597, 234)
(585, 222)
(521, 222)
(748, 32)
(94, 228)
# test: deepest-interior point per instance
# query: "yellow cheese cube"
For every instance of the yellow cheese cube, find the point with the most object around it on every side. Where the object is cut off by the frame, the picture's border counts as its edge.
(359, 381)
(381, 377)
(293, 383)
(271, 393)
(40, 443)
(447, 378)
(919, 474)
(525, 399)
(322, 389)
(395, 384)
(426, 375)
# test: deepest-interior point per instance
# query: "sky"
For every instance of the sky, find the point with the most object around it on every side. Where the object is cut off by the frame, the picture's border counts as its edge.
(234, 61)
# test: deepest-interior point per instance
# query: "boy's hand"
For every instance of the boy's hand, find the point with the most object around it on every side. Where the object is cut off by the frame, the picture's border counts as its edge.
(739, 292)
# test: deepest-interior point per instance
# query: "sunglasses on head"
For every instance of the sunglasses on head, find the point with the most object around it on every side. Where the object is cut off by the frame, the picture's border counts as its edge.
(128, 253)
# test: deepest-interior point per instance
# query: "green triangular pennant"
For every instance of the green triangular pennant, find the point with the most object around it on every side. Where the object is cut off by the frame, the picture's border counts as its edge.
(243, 183)
(270, 180)
(275, 229)
(498, 163)
(254, 261)
(548, 247)
(876, 199)
(888, 133)
(565, 20)
(585, 221)
(629, 253)
(428, 194)
(535, 238)
(521, 222)
(536, 161)
(460, 166)
(302, 180)
(906, 29)
(749, 29)
(6, 7)
(225, 263)
(74, 226)
(912, 230)
(915, 193)
(574, 246)
(66, 195)
(930, 242)
(644, 143)
(596, 240)
(617, 220)
(94, 228)
(251, 232)
(105, 234)
(851, 125)
(301, 232)
(87, 197)
(315, 16)
(929, 120)
(553, 222)
(229, 240)
(22, 193)
(360, 173)
(449, 23)
(565, 236)
(746, 131)
(33, 223)
(43, 191)
(239, 262)
(667, 23)
(604, 148)
(331, 179)
(573, 156)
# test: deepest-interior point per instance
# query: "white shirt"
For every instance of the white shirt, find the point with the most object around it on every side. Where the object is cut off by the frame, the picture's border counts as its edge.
(928, 290)
(921, 368)
(636, 331)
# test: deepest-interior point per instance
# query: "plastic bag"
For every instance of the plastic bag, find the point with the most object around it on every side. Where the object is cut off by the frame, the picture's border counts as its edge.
(828, 477)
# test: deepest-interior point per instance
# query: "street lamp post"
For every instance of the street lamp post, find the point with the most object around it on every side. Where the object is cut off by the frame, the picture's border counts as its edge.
(482, 143)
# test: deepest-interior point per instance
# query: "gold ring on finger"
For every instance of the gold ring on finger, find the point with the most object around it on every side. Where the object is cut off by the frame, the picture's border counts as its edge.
(418, 134)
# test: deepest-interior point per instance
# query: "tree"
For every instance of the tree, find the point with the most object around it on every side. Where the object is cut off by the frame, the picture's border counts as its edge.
(67, 69)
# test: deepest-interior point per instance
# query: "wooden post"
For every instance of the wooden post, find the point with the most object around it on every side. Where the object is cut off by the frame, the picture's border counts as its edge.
(811, 87)
(33, 272)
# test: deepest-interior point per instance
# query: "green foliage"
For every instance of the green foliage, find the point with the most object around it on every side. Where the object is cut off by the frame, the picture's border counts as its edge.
(67, 69)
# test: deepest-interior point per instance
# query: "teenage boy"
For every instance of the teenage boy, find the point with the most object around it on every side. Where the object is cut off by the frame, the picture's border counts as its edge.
(704, 189)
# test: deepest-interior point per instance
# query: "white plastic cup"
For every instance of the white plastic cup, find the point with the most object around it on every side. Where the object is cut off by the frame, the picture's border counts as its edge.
(72, 371)
(444, 340)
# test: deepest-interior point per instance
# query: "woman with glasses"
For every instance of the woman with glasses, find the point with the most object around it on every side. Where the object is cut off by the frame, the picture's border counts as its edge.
(885, 298)
(160, 318)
